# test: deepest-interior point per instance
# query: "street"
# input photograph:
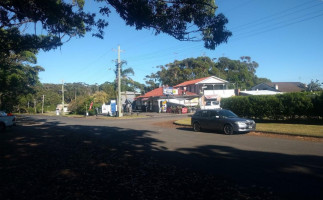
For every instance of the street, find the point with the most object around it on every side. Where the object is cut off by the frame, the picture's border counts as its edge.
(63, 147)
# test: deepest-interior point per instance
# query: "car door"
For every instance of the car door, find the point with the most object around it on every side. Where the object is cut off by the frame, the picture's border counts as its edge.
(214, 120)
(204, 119)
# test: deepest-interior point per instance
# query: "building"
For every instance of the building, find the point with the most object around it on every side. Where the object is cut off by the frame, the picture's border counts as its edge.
(189, 93)
(129, 96)
(258, 92)
(59, 108)
(158, 99)
(280, 86)
(209, 88)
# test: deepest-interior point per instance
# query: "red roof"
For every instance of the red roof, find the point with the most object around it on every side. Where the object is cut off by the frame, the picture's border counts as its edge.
(159, 92)
(191, 82)
(153, 93)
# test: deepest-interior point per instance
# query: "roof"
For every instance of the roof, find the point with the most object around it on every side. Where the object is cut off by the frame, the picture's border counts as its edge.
(202, 81)
(280, 86)
(191, 82)
(159, 92)
(259, 92)
(288, 86)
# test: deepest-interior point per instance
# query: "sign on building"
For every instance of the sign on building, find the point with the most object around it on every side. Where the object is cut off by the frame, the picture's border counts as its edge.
(170, 91)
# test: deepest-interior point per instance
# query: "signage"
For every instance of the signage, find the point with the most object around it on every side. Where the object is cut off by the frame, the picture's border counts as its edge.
(91, 105)
(184, 110)
(170, 91)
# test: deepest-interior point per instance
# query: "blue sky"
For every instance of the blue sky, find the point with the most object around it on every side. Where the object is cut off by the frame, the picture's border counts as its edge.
(285, 37)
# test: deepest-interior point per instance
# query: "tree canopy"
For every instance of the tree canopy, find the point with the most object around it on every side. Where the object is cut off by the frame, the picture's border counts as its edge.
(241, 73)
(62, 19)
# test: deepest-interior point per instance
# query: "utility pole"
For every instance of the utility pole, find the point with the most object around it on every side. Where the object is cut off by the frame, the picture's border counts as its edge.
(62, 97)
(119, 84)
(42, 107)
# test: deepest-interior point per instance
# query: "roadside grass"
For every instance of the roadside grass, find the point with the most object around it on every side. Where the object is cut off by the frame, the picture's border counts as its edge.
(279, 128)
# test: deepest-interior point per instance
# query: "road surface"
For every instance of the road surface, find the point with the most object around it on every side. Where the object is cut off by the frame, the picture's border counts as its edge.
(287, 168)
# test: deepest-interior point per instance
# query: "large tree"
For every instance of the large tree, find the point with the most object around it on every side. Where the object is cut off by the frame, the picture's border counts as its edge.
(62, 19)
(18, 77)
(241, 73)
(187, 20)
(188, 69)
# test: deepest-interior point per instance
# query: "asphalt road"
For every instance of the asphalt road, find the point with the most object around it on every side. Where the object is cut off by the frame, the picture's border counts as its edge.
(289, 168)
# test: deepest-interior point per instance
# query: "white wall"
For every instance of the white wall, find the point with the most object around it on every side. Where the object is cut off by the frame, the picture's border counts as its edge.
(220, 93)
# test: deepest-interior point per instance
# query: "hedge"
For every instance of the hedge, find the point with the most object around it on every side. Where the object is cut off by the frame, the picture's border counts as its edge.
(275, 107)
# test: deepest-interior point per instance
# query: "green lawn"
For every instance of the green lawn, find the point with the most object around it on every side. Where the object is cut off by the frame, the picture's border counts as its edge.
(279, 128)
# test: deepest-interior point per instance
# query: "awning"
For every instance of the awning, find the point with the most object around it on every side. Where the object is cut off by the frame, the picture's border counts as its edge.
(144, 99)
(211, 96)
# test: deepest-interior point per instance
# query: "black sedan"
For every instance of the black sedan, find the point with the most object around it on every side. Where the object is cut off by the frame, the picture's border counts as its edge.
(221, 120)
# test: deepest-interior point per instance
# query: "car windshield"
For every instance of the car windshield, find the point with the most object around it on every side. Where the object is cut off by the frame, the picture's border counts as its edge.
(227, 114)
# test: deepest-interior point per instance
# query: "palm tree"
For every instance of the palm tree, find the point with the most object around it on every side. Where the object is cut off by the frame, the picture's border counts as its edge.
(125, 79)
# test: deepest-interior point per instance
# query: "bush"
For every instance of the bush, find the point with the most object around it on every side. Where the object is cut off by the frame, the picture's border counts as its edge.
(274, 107)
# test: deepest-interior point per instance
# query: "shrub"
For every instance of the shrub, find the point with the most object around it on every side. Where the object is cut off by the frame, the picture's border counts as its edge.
(289, 105)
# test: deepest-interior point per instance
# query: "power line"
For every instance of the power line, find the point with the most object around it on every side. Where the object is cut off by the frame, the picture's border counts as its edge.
(299, 20)
(280, 15)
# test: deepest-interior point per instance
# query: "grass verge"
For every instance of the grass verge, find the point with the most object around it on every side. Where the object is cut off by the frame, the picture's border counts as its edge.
(279, 128)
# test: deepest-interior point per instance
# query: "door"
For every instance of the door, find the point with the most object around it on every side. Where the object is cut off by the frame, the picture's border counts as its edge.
(214, 120)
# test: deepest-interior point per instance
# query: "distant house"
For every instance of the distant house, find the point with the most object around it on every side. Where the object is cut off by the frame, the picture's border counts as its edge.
(189, 93)
(128, 96)
(59, 108)
(280, 86)
(157, 99)
(258, 92)
(209, 88)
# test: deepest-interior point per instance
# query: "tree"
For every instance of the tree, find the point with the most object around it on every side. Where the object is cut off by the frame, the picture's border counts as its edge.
(109, 89)
(239, 72)
(151, 82)
(100, 97)
(62, 20)
(127, 84)
(186, 20)
(242, 73)
(18, 76)
(187, 69)
(57, 18)
(314, 86)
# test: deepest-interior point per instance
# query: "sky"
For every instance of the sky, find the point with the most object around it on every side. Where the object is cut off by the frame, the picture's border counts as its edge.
(285, 37)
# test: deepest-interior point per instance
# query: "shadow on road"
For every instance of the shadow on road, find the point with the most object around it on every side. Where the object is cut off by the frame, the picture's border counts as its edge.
(47, 160)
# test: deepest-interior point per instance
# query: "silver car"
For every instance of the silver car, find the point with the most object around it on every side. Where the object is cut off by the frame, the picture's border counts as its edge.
(221, 120)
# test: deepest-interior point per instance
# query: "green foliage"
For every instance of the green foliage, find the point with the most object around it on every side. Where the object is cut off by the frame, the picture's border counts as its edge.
(184, 20)
(283, 106)
(100, 97)
(17, 78)
(314, 86)
(57, 18)
(317, 100)
(82, 104)
(241, 73)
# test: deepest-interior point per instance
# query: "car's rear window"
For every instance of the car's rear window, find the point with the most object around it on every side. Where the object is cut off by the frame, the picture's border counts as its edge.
(227, 113)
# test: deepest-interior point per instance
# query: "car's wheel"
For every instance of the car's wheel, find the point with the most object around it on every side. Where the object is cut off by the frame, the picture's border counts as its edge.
(228, 129)
(196, 127)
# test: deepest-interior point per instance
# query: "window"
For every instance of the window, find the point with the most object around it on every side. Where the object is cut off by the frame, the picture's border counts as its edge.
(204, 113)
(213, 113)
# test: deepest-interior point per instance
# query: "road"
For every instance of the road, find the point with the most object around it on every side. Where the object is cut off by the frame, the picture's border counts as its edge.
(289, 168)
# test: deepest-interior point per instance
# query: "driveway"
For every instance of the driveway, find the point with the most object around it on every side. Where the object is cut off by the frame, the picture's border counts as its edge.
(69, 158)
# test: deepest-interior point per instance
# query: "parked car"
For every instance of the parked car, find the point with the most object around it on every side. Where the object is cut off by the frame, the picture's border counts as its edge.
(6, 120)
(221, 120)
